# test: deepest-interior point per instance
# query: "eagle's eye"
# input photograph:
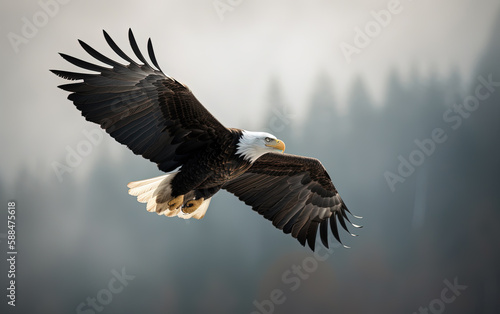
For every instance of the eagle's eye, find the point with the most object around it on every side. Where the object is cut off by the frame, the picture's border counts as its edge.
(268, 139)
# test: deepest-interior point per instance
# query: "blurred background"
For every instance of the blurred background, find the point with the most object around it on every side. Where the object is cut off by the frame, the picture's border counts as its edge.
(359, 85)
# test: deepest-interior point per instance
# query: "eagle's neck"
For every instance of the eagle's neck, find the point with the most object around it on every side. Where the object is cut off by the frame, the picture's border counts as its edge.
(250, 146)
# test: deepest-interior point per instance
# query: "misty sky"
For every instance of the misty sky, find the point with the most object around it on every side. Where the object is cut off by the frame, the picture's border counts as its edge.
(227, 63)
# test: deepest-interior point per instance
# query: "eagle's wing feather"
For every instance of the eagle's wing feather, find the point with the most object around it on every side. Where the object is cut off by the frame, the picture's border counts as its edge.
(295, 193)
(141, 107)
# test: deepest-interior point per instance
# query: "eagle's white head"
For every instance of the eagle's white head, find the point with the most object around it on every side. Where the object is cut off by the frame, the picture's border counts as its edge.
(252, 145)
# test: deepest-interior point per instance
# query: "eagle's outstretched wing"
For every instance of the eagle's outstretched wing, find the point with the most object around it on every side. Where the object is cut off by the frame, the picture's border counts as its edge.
(295, 193)
(141, 107)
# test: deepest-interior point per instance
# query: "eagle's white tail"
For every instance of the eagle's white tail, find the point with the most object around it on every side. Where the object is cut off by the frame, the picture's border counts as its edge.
(157, 192)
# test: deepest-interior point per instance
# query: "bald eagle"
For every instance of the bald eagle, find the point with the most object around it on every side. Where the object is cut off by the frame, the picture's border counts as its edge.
(159, 118)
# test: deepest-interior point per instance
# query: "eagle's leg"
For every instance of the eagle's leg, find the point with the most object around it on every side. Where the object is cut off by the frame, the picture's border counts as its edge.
(176, 202)
(192, 205)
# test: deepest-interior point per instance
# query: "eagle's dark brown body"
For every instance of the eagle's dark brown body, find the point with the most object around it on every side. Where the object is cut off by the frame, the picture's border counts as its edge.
(206, 173)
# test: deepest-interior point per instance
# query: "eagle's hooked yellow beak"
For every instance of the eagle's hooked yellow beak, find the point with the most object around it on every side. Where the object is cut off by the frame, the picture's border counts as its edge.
(278, 144)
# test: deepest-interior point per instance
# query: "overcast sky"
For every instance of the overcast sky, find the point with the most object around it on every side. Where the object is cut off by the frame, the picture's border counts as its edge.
(227, 58)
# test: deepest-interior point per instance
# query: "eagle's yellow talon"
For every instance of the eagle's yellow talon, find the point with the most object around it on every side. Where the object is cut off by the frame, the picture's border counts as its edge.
(192, 206)
(176, 202)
